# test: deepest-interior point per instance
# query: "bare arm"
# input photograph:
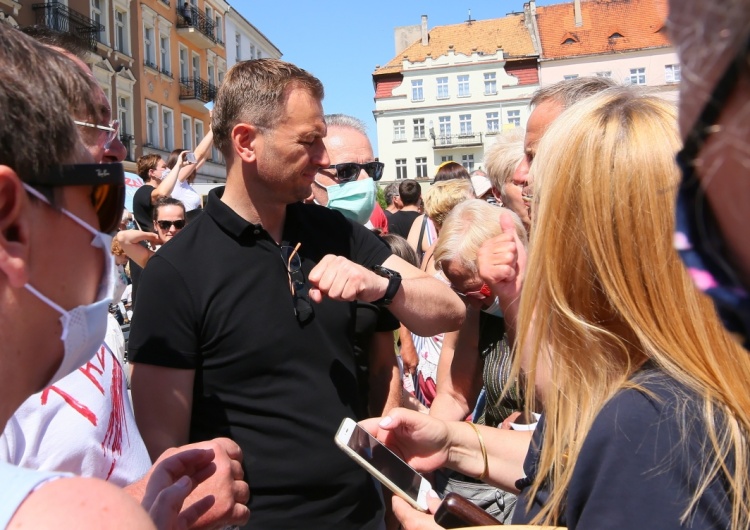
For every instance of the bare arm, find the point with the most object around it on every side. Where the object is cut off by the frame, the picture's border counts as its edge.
(408, 351)
(204, 149)
(385, 383)
(459, 374)
(162, 401)
(165, 187)
(129, 242)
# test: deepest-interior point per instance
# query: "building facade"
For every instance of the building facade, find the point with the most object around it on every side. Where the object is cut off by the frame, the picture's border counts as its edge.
(448, 94)
(245, 41)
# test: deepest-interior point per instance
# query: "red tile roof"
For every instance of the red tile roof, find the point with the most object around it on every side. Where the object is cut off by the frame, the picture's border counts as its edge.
(508, 33)
(608, 26)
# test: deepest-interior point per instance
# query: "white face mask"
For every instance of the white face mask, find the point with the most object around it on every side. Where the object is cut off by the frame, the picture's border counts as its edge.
(165, 173)
(83, 327)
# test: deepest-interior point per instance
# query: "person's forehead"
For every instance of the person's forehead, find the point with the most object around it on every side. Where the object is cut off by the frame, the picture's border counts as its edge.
(539, 120)
(302, 111)
(169, 212)
(345, 144)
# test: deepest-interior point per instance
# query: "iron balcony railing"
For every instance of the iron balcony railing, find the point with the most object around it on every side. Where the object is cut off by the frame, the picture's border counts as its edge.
(191, 17)
(195, 88)
(127, 141)
(59, 17)
(457, 140)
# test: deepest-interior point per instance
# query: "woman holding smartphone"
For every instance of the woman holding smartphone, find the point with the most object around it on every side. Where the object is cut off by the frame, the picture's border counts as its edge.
(646, 409)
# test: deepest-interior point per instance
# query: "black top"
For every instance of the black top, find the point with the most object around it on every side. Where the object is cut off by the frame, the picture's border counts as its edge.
(637, 468)
(143, 209)
(401, 221)
(217, 300)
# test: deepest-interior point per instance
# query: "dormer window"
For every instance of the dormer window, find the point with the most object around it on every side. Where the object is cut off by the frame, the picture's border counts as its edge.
(569, 41)
(615, 35)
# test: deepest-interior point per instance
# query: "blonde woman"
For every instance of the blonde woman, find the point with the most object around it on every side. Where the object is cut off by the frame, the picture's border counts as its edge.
(644, 394)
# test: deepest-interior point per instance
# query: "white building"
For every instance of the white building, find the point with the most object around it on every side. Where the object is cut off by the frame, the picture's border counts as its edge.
(245, 41)
(447, 95)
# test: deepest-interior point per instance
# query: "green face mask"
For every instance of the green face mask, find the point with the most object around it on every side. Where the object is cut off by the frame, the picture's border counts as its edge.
(355, 200)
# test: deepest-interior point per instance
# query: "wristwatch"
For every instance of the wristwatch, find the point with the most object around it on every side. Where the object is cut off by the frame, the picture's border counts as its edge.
(394, 282)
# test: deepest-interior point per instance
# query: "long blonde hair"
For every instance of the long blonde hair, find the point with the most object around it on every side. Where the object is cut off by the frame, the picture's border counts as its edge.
(612, 293)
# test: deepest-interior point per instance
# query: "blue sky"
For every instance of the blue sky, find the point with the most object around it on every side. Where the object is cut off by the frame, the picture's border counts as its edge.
(341, 41)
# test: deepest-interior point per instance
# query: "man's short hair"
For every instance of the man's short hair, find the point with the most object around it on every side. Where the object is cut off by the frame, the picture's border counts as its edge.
(391, 191)
(167, 201)
(255, 92)
(571, 91)
(40, 92)
(410, 192)
(344, 120)
(147, 163)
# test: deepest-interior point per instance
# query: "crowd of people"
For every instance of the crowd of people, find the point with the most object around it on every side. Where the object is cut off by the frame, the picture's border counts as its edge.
(561, 337)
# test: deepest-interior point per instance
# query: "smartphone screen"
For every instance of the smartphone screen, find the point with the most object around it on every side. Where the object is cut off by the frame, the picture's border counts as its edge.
(384, 460)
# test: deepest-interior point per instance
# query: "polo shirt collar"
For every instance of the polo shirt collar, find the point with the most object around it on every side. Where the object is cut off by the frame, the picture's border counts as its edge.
(227, 218)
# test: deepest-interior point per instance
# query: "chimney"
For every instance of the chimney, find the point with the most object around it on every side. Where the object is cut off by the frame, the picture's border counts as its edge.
(425, 39)
(577, 12)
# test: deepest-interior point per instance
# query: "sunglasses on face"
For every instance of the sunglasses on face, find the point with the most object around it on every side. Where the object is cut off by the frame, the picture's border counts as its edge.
(349, 171)
(110, 129)
(179, 224)
(108, 188)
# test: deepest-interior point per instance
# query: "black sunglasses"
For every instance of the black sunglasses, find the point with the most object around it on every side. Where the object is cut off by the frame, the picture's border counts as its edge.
(298, 287)
(107, 195)
(179, 224)
(349, 171)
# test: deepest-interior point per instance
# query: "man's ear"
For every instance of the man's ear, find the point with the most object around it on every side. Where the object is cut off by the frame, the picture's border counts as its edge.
(14, 228)
(496, 194)
(245, 138)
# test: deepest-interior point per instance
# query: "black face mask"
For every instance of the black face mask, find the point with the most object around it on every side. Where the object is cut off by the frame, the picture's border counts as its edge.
(698, 238)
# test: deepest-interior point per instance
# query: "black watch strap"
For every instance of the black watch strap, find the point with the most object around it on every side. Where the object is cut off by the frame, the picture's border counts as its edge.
(394, 283)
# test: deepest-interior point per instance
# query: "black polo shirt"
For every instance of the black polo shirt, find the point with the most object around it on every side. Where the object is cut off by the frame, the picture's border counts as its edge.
(216, 300)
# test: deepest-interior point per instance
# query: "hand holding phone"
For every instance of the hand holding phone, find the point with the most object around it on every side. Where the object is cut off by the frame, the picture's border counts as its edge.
(190, 158)
(458, 512)
(383, 464)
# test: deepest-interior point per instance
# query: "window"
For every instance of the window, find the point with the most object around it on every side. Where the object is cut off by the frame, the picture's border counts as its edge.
(570, 76)
(493, 122)
(419, 128)
(637, 76)
(219, 29)
(417, 94)
(167, 119)
(166, 63)
(96, 16)
(463, 86)
(464, 124)
(196, 66)
(672, 73)
(152, 123)
(490, 84)
(400, 168)
(123, 114)
(183, 63)
(211, 76)
(444, 124)
(442, 88)
(399, 131)
(514, 118)
(421, 167)
(187, 133)
(468, 162)
(221, 76)
(238, 46)
(121, 32)
(252, 51)
(447, 158)
(198, 131)
(149, 53)
(606, 73)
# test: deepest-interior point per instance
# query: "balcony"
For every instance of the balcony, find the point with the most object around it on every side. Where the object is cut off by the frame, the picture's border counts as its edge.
(196, 27)
(196, 92)
(59, 17)
(456, 140)
(127, 141)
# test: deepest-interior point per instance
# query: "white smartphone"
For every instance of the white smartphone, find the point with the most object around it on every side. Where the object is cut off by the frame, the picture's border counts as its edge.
(383, 464)
(190, 158)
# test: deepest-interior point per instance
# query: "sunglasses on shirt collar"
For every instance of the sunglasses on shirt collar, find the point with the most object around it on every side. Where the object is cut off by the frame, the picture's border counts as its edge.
(108, 188)
(349, 171)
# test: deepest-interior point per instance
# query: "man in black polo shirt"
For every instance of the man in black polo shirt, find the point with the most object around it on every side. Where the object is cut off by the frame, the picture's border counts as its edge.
(247, 327)
(410, 193)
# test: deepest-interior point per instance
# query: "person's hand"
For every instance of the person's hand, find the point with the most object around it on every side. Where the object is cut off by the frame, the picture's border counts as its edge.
(501, 262)
(181, 161)
(133, 237)
(412, 519)
(421, 441)
(170, 481)
(340, 279)
(224, 487)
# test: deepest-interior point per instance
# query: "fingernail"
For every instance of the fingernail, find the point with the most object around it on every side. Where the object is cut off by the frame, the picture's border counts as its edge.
(184, 482)
(433, 494)
(385, 422)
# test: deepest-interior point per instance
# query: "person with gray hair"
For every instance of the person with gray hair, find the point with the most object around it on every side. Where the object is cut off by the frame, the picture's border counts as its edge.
(392, 199)
(503, 162)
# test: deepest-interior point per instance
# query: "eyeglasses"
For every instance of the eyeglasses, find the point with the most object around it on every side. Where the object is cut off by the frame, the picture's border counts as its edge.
(481, 294)
(107, 181)
(110, 129)
(349, 171)
(303, 309)
(179, 224)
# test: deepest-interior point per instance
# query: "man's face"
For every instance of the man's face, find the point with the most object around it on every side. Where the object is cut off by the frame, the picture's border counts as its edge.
(343, 144)
(158, 172)
(167, 215)
(290, 154)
